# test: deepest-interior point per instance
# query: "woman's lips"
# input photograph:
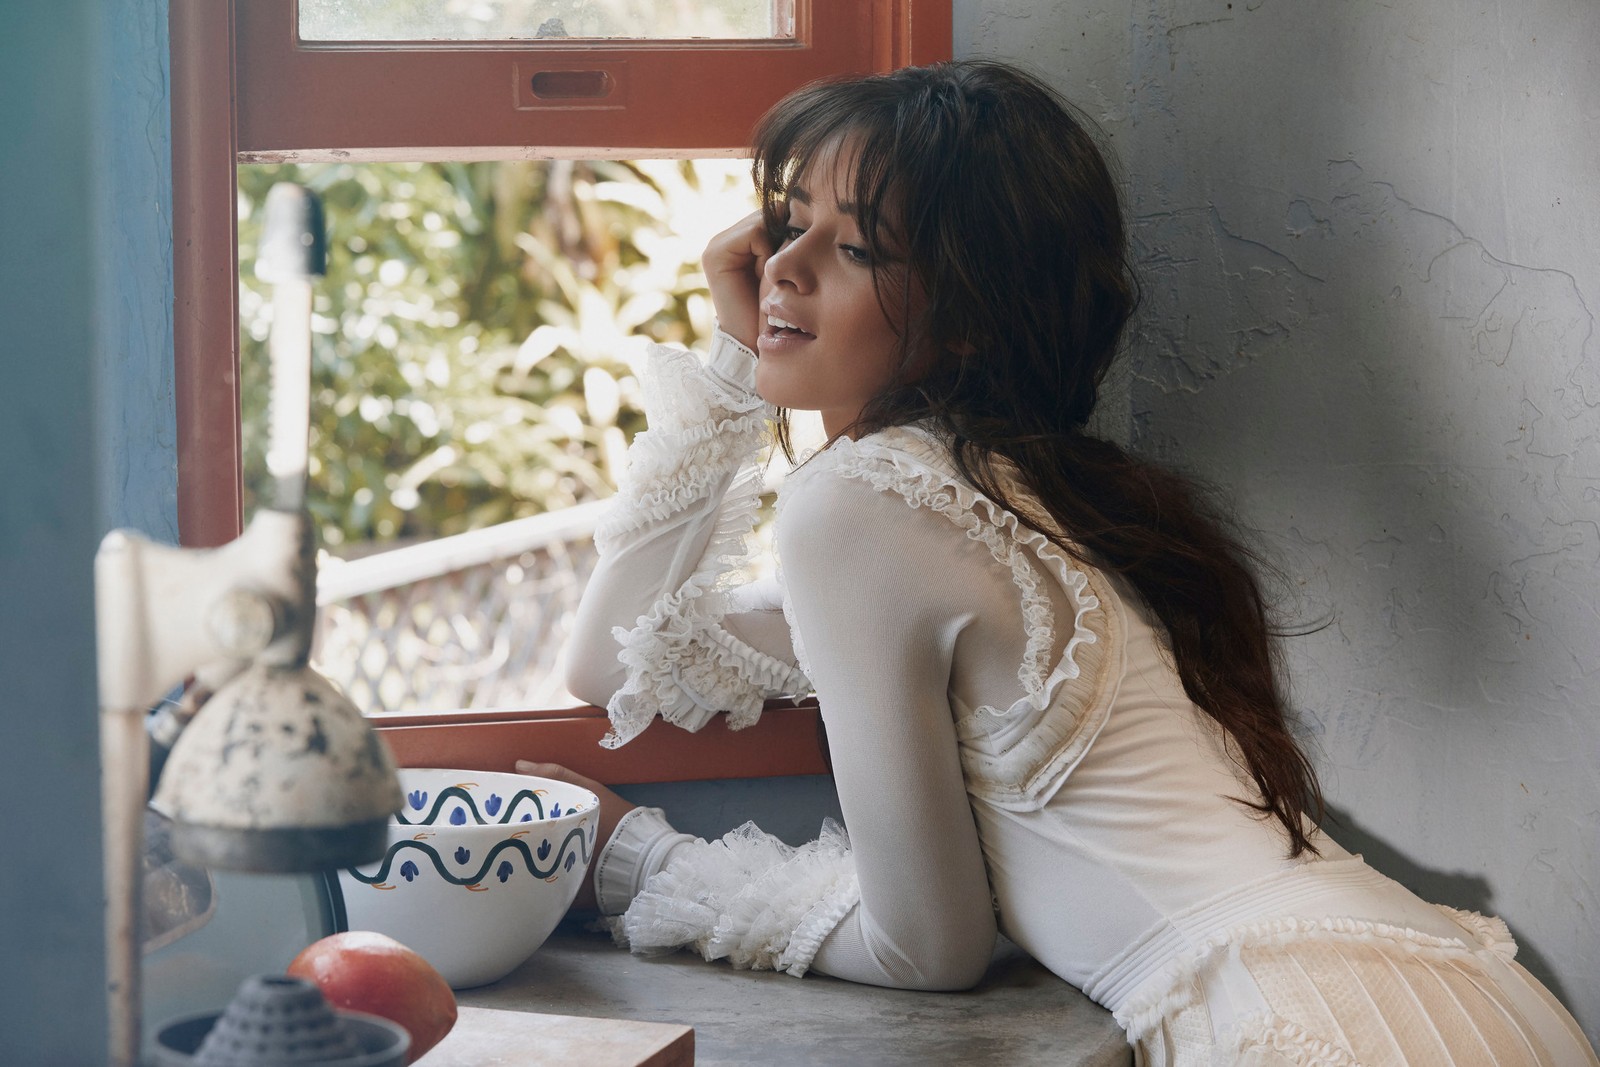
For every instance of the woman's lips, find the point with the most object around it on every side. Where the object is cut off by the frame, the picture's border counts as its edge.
(781, 336)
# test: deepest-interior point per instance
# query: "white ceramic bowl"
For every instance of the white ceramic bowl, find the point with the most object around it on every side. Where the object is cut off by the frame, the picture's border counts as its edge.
(480, 868)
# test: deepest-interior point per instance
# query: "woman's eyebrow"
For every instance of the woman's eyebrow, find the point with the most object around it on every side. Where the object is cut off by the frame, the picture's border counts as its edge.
(798, 193)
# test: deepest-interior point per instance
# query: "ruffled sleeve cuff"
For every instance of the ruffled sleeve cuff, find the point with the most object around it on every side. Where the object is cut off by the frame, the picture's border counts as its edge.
(706, 422)
(637, 849)
(748, 898)
(732, 364)
(707, 429)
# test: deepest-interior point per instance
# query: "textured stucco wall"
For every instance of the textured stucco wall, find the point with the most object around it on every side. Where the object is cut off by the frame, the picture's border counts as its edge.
(1368, 235)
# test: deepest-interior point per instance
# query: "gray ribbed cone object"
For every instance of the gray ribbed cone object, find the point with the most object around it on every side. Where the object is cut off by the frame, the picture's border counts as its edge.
(276, 1021)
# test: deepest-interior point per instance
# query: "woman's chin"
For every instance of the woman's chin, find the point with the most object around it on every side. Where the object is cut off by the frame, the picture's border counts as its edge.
(774, 391)
(786, 402)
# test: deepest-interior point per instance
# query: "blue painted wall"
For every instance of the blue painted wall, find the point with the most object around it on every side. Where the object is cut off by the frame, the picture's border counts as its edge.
(137, 425)
(86, 440)
(51, 889)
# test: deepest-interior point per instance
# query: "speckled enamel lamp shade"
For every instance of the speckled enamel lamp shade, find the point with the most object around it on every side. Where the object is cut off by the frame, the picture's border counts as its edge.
(279, 773)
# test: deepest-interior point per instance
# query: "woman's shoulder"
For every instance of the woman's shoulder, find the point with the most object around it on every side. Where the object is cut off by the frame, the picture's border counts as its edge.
(900, 488)
(862, 485)
(907, 460)
(914, 464)
(887, 498)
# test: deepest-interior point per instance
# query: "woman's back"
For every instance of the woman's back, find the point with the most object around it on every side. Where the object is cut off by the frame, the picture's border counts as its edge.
(1085, 762)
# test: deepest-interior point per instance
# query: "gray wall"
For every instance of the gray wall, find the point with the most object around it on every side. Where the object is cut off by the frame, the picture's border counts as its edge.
(86, 438)
(1368, 237)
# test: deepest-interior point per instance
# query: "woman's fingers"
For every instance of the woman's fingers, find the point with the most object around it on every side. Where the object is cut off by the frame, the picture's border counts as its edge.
(610, 802)
(556, 771)
(733, 262)
(741, 248)
(612, 809)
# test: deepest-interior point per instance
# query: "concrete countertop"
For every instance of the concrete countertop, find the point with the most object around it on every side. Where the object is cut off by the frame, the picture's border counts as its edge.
(1020, 1014)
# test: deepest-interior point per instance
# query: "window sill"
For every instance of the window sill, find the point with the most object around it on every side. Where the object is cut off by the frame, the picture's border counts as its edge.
(784, 742)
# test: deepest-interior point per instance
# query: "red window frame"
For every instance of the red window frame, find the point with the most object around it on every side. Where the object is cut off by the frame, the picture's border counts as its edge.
(244, 88)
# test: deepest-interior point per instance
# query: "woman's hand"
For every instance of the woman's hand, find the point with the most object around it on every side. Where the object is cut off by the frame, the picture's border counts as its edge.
(733, 262)
(612, 809)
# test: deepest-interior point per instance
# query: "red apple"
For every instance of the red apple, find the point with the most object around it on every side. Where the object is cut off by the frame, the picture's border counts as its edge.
(371, 972)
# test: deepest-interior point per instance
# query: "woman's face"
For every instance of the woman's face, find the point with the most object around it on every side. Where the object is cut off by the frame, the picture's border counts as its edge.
(826, 343)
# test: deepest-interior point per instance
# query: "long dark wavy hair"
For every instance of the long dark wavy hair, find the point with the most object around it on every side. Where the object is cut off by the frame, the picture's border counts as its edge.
(993, 194)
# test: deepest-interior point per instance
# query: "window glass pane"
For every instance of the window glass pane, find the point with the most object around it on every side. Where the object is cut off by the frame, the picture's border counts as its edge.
(515, 20)
(474, 347)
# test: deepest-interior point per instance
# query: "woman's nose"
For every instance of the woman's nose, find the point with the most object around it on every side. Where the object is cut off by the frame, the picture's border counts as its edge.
(789, 265)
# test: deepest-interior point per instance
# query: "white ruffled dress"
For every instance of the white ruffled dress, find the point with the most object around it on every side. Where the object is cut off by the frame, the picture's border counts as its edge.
(1013, 750)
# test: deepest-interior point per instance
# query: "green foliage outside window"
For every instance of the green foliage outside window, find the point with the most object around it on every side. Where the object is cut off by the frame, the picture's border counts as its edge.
(472, 341)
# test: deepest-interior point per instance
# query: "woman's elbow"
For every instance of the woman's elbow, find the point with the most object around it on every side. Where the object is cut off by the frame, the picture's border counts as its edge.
(593, 670)
(956, 970)
(944, 960)
(593, 678)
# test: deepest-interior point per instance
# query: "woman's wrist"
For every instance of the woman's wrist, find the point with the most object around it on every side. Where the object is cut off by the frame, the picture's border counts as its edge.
(732, 363)
(637, 848)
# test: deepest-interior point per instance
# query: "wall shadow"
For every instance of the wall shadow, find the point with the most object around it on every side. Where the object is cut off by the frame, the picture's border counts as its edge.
(1458, 889)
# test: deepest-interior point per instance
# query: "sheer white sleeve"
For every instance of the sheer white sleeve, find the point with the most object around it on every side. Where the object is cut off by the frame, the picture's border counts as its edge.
(657, 631)
(904, 901)
(748, 898)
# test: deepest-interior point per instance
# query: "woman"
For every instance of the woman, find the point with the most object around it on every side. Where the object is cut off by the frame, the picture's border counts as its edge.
(1044, 667)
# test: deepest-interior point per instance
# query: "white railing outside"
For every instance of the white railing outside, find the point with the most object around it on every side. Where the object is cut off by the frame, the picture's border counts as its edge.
(476, 620)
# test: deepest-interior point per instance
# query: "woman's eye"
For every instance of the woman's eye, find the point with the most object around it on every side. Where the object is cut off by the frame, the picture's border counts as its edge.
(793, 233)
(855, 254)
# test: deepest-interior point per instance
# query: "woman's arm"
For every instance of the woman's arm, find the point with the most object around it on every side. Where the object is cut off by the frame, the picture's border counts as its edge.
(658, 629)
(881, 592)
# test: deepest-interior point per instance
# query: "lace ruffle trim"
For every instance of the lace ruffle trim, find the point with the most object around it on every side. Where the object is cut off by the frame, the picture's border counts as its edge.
(668, 472)
(682, 392)
(1176, 987)
(702, 427)
(903, 460)
(1490, 931)
(748, 898)
(884, 461)
(681, 663)
(1024, 772)
(1293, 1043)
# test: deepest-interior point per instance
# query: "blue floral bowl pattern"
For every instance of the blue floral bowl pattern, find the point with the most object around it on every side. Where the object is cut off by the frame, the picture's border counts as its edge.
(480, 868)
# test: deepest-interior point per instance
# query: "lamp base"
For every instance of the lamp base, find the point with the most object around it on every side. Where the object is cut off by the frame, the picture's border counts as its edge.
(281, 851)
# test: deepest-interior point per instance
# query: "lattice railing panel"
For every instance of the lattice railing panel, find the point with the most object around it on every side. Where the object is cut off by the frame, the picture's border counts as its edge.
(482, 628)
